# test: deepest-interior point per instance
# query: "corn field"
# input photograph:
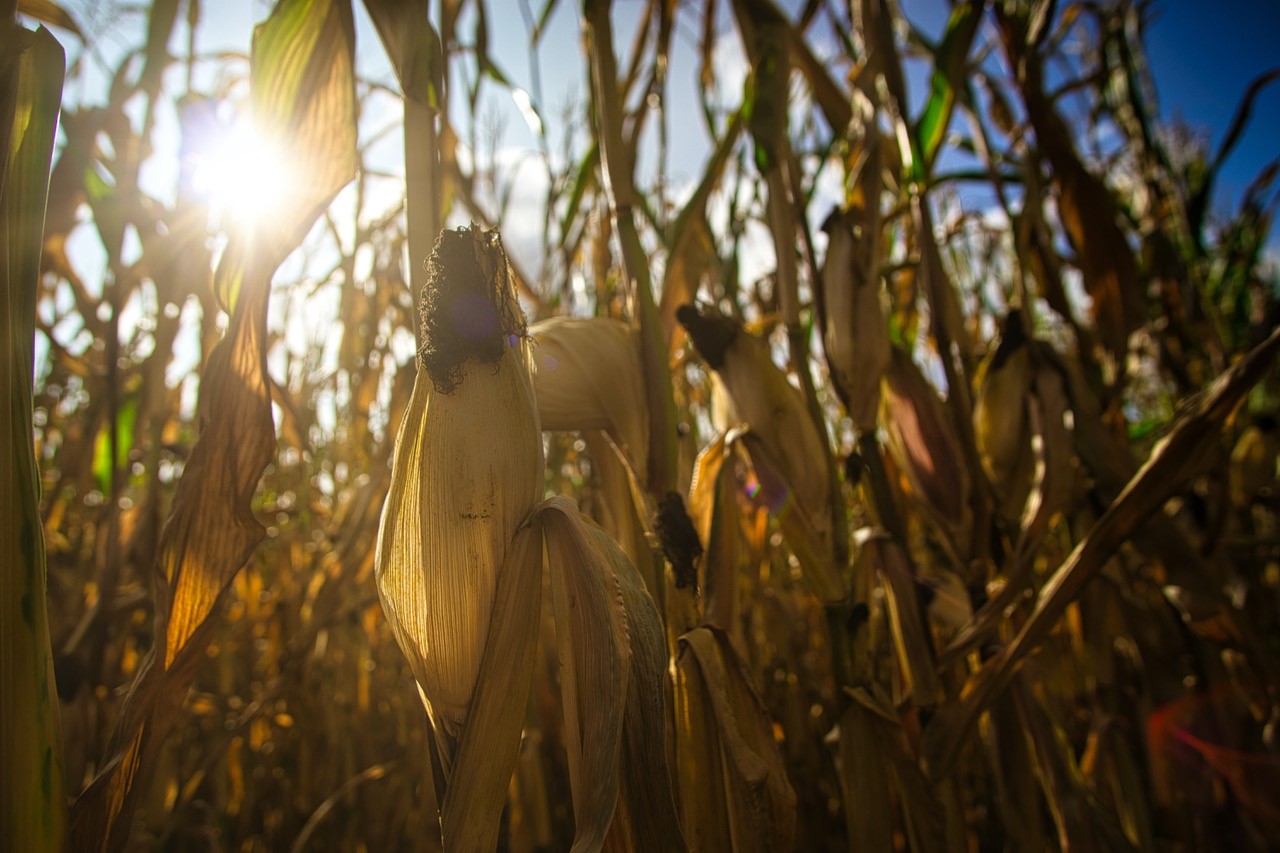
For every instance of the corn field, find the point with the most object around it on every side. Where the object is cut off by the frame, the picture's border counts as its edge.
(900, 475)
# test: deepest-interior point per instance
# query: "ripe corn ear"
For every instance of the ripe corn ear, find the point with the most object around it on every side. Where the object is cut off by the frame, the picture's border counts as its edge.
(764, 399)
(467, 471)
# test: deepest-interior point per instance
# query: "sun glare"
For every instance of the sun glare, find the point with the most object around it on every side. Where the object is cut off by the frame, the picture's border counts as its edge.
(244, 176)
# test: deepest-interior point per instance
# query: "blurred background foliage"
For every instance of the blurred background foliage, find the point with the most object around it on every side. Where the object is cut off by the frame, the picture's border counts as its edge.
(1051, 299)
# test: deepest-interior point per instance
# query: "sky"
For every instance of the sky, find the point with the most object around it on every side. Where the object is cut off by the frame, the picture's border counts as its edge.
(1202, 57)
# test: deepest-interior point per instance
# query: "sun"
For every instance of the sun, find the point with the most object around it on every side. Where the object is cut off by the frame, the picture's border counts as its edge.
(244, 176)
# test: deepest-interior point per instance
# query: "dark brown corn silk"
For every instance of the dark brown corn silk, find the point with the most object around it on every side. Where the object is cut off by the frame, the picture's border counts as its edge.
(711, 332)
(679, 539)
(468, 308)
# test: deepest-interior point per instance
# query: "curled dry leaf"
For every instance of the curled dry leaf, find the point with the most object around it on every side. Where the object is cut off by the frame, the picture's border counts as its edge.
(733, 788)
(589, 377)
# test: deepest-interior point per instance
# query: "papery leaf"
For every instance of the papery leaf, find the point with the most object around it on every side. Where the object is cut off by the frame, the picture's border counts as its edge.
(592, 634)
(472, 809)
(755, 808)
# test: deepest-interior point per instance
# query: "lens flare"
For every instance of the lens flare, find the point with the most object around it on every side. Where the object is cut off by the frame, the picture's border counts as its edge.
(244, 177)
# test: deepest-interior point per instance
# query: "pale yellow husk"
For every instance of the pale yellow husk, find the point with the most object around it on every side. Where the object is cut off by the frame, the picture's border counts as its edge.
(589, 377)
(467, 472)
(774, 409)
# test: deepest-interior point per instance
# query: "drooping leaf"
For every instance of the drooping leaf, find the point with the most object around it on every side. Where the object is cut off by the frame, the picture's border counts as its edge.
(1202, 195)
(734, 790)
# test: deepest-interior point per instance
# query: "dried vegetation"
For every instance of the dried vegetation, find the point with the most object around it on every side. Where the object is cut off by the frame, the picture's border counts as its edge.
(951, 525)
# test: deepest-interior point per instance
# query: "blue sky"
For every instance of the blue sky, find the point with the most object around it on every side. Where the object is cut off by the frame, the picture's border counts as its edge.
(1203, 56)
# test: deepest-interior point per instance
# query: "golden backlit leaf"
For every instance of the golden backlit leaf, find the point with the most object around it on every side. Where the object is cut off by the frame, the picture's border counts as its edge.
(304, 86)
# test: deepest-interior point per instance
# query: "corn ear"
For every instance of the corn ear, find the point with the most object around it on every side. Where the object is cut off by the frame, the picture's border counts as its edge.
(1002, 429)
(855, 308)
(1054, 479)
(467, 471)
(924, 445)
(765, 400)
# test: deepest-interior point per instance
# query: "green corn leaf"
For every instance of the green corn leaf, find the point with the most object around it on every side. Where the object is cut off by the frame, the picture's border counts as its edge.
(947, 80)
(33, 813)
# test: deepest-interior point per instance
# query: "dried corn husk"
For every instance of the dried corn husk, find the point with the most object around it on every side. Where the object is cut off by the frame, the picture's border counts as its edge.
(734, 791)
(767, 402)
(467, 471)
(1001, 420)
(589, 377)
(855, 307)
(924, 446)
(613, 659)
